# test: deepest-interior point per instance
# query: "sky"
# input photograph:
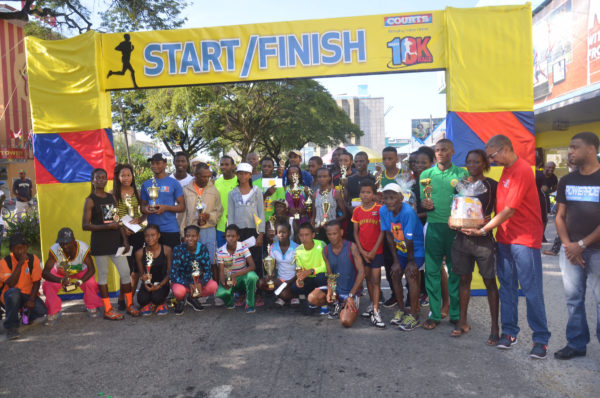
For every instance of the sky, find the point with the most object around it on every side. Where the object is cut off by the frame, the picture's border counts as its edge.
(406, 96)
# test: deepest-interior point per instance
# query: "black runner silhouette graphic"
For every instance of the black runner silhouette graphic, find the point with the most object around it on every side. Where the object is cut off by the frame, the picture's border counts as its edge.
(126, 48)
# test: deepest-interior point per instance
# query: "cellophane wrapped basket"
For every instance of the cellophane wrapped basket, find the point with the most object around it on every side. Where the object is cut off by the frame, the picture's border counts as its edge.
(467, 211)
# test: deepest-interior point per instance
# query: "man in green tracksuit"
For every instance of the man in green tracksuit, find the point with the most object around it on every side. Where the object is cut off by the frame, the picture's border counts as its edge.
(437, 191)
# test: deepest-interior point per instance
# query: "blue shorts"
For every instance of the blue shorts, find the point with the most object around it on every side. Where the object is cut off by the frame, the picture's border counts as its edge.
(376, 263)
(420, 261)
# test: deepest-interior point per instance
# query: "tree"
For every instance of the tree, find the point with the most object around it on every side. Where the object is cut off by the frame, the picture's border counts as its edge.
(276, 116)
(139, 161)
(178, 117)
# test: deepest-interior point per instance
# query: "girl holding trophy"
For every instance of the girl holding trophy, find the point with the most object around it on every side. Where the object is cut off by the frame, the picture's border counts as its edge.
(128, 205)
(327, 201)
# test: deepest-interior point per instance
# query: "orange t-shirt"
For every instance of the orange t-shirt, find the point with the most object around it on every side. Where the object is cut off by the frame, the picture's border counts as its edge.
(26, 281)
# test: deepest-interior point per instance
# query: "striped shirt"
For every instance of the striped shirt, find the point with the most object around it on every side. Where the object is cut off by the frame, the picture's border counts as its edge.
(124, 210)
(76, 263)
(238, 257)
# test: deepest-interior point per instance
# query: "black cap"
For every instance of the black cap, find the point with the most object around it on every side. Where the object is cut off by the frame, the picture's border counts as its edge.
(157, 157)
(65, 235)
(18, 239)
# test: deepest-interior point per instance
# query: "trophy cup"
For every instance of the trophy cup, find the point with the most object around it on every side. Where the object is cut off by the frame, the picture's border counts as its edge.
(227, 264)
(325, 206)
(272, 220)
(65, 266)
(149, 261)
(296, 192)
(153, 193)
(378, 180)
(129, 204)
(196, 274)
(308, 202)
(344, 174)
(332, 279)
(269, 263)
(200, 206)
(428, 188)
(298, 268)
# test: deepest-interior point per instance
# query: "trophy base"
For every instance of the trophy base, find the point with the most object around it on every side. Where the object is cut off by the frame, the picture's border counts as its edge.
(270, 285)
(69, 288)
(296, 216)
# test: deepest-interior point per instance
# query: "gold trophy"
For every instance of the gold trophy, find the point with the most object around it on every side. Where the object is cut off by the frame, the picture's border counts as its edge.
(332, 280)
(344, 174)
(269, 263)
(149, 261)
(129, 204)
(308, 202)
(272, 220)
(299, 283)
(227, 264)
(296, 192)
(325, 206)
(428, 188)
(65, 266)
(196, 274)
(153, 193)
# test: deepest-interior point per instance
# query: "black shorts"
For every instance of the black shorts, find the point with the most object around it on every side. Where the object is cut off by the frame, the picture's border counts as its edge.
(376, 263)
(466, 250)
(170, 239)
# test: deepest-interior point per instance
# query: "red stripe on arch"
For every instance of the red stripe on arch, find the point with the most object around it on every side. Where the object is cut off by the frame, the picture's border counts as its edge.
(95, 147)
(43, 176)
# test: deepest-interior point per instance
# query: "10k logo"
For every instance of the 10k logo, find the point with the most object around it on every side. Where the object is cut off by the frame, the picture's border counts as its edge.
(409, 51)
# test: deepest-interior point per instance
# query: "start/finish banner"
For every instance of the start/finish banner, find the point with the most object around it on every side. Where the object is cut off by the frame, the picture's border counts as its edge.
(327, 47)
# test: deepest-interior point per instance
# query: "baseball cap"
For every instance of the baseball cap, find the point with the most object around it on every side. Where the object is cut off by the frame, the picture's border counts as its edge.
(392, 187)
(244, 167)
(295, 152)
(18, 239)
(156, 157)
(65, 235)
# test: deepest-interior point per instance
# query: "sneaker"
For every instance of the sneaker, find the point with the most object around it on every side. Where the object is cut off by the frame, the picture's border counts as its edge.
(194, 303)
(121, 305)
(397, 319)
(250, 310)
(538, 351)
(219, 302)
(424, 300)
(568, 353)
(279, 303)
(179, 306)
(389, 303)
(12, 334)
(92, 312)
(368, 312)
(295, 302)
(207, 301)
(51, 320)
(259, 301)
(409, 323)
(506, 341)
(162, 309)
(230, 307)
(112, 315)
(324, 310)
(131, 310)
(335, 314)
(376, 320)
(148, 310)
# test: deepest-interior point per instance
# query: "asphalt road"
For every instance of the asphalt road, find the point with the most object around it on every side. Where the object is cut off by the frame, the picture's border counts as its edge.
(221, 353)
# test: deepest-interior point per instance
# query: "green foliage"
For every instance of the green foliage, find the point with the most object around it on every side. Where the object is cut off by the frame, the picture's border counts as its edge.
(36, 29)
(134, 15)
(139, 161)
(25, 223)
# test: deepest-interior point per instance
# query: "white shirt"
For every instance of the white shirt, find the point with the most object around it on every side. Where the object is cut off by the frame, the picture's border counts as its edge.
(285, 269)
(185, 181)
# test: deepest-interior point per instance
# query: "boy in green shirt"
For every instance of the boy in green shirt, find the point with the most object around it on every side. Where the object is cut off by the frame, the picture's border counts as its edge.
(437, 192)
(225, 184)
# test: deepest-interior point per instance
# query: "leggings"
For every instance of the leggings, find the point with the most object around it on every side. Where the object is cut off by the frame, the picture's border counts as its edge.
(157, 297)
(122, 267)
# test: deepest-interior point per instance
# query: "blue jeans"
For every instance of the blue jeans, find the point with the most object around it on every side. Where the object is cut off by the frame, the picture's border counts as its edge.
(208, 237)
(522, 264)
(574, 281)
(14, 300)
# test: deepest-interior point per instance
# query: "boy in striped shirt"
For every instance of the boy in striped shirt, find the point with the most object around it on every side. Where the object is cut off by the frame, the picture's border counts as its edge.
(242, 275)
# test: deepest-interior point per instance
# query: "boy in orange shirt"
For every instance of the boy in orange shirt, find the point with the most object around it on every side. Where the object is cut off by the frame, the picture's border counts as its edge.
(20, 275)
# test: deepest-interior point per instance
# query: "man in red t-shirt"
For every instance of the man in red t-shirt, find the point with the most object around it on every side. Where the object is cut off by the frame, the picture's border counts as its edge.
(519, 238)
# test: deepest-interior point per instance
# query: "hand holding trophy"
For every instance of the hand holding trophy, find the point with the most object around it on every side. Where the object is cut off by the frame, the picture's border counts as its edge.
(153, 194)
(65, 267)
(149, 261)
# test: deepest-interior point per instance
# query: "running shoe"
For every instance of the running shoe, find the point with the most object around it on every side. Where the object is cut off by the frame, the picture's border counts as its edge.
(92, 312)
(295, 302)
(219, 302)
(179, 307)
(424, 300)
(368, 312)
(397, 319)
(250, 310)
(506, 341)
(131, 310)
(279, 303)
(148, 309)
(324, 310)
(52, 319)
(162, 309)
(538, 351)
(112, 315)
(335, 314)
(376, 320)
(389, 303)
(194, 303)
(409, 323)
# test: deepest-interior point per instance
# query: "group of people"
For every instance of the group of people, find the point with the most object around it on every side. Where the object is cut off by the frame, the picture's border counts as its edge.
(263, 228)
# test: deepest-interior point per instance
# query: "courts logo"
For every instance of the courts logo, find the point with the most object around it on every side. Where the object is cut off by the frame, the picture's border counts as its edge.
(408, 51)
(408, 20)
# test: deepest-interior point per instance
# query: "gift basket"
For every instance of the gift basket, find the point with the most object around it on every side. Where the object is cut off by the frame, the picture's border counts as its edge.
(467, 211)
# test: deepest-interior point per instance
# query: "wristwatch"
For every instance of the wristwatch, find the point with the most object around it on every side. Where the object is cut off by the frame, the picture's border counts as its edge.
(483, 232)
(350, 295)
(581, 244)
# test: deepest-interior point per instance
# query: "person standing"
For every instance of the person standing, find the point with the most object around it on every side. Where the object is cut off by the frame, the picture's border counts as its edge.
(295, 159)
(170, 201)
(253, 159)
(437, 199)
(182, 167)
(99, 213)
(23, 190)
(201, 188)
(225, 184)
(519, 239)
(578, 225)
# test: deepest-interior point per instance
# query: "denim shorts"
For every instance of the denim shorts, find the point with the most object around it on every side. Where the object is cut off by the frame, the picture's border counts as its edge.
(419, 261)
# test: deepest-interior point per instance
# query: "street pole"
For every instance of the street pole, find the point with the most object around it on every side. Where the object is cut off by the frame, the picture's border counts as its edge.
(124, 130)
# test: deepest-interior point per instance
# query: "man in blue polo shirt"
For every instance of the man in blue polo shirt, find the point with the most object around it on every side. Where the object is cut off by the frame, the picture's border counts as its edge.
(169, 202)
